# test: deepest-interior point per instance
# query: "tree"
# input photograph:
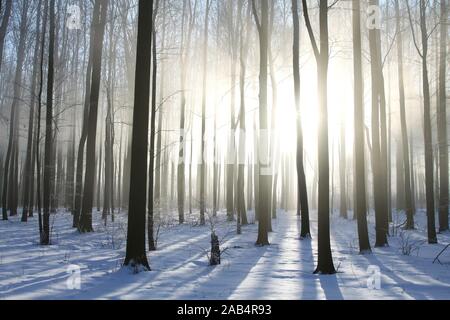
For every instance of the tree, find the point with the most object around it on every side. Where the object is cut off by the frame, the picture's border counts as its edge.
(48, 165)
(61, 56)
(71, 145)
(151, 169)
(427, 130)
(359, 158)
(231, 154)
(184, 55)
(302, 192)
(203, 137)
(1, 174)
(216, 166)
(325, 263)
(108, 195)
(129, 35)
(404, 127)
(243, 44)
(273, 126)
(342, 172)
(4, 28)
(38, 127)
(84, 128)
(263, 147)
(136, 256)
(28, 172)
(378, 113)
(442, 119)
(158, 164)
(9, 177)
(99, 22)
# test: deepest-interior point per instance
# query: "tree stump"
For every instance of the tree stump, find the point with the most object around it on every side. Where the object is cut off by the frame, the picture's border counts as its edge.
(215, 250)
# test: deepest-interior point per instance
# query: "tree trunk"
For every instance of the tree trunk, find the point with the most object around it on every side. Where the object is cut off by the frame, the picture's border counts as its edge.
(28, 177)
(325, 260)
(243, 39)
(136, 256)
(231, 154)
(191, 155)
(343, 173)
(302, 191)
(274, 134)
(71, 151)
(85, 224)
(8, 180)
(359, 157)
(99, 169)
(4, 28)
(400, 177)
(404, 128)
(158, 163)
(108, 194)
(181, 180)
(151, 169)
(263, 149)
(427, 129)
(48, 165)
(203, 137)
(249, 185)
(70, 171)
(38, 129)
(84, 129)
(1, 174)
(377, 157)
(412, 174)
(256, 170)
(442, 126)
(428, 138)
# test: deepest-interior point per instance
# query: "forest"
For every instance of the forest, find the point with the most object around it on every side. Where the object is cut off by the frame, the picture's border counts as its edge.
(224, 149)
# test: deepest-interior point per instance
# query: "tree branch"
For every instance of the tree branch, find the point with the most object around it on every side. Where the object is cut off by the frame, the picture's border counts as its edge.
(255, 14)
(412, 30)
(310, 30)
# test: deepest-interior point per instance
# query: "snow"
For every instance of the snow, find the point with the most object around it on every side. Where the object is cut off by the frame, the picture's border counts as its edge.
(180, 267)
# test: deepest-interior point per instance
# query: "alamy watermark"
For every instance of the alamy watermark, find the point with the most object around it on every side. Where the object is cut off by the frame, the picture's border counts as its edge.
(73, 282)
(374, 278)
(373, 21)
(74, 19)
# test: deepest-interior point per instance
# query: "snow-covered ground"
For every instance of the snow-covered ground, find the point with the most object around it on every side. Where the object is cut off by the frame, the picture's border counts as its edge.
(180, 267)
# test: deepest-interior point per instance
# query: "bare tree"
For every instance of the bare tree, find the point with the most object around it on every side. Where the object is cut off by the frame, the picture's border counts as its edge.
(99, 22)
(442, 118)
(359, 157)
(158, 162)
(151, 169)
(184, 57)
(28, 176)
(108, 194)
(378, 113)
(243, 44)
(9, 176)
(264, 208)
(48, 165)
(203, 137)
(136, 256)
(84, 128)
(4, 28)
(302, 192)
(404, 127)
(427, 130)
(38, 124)
(325, 263)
